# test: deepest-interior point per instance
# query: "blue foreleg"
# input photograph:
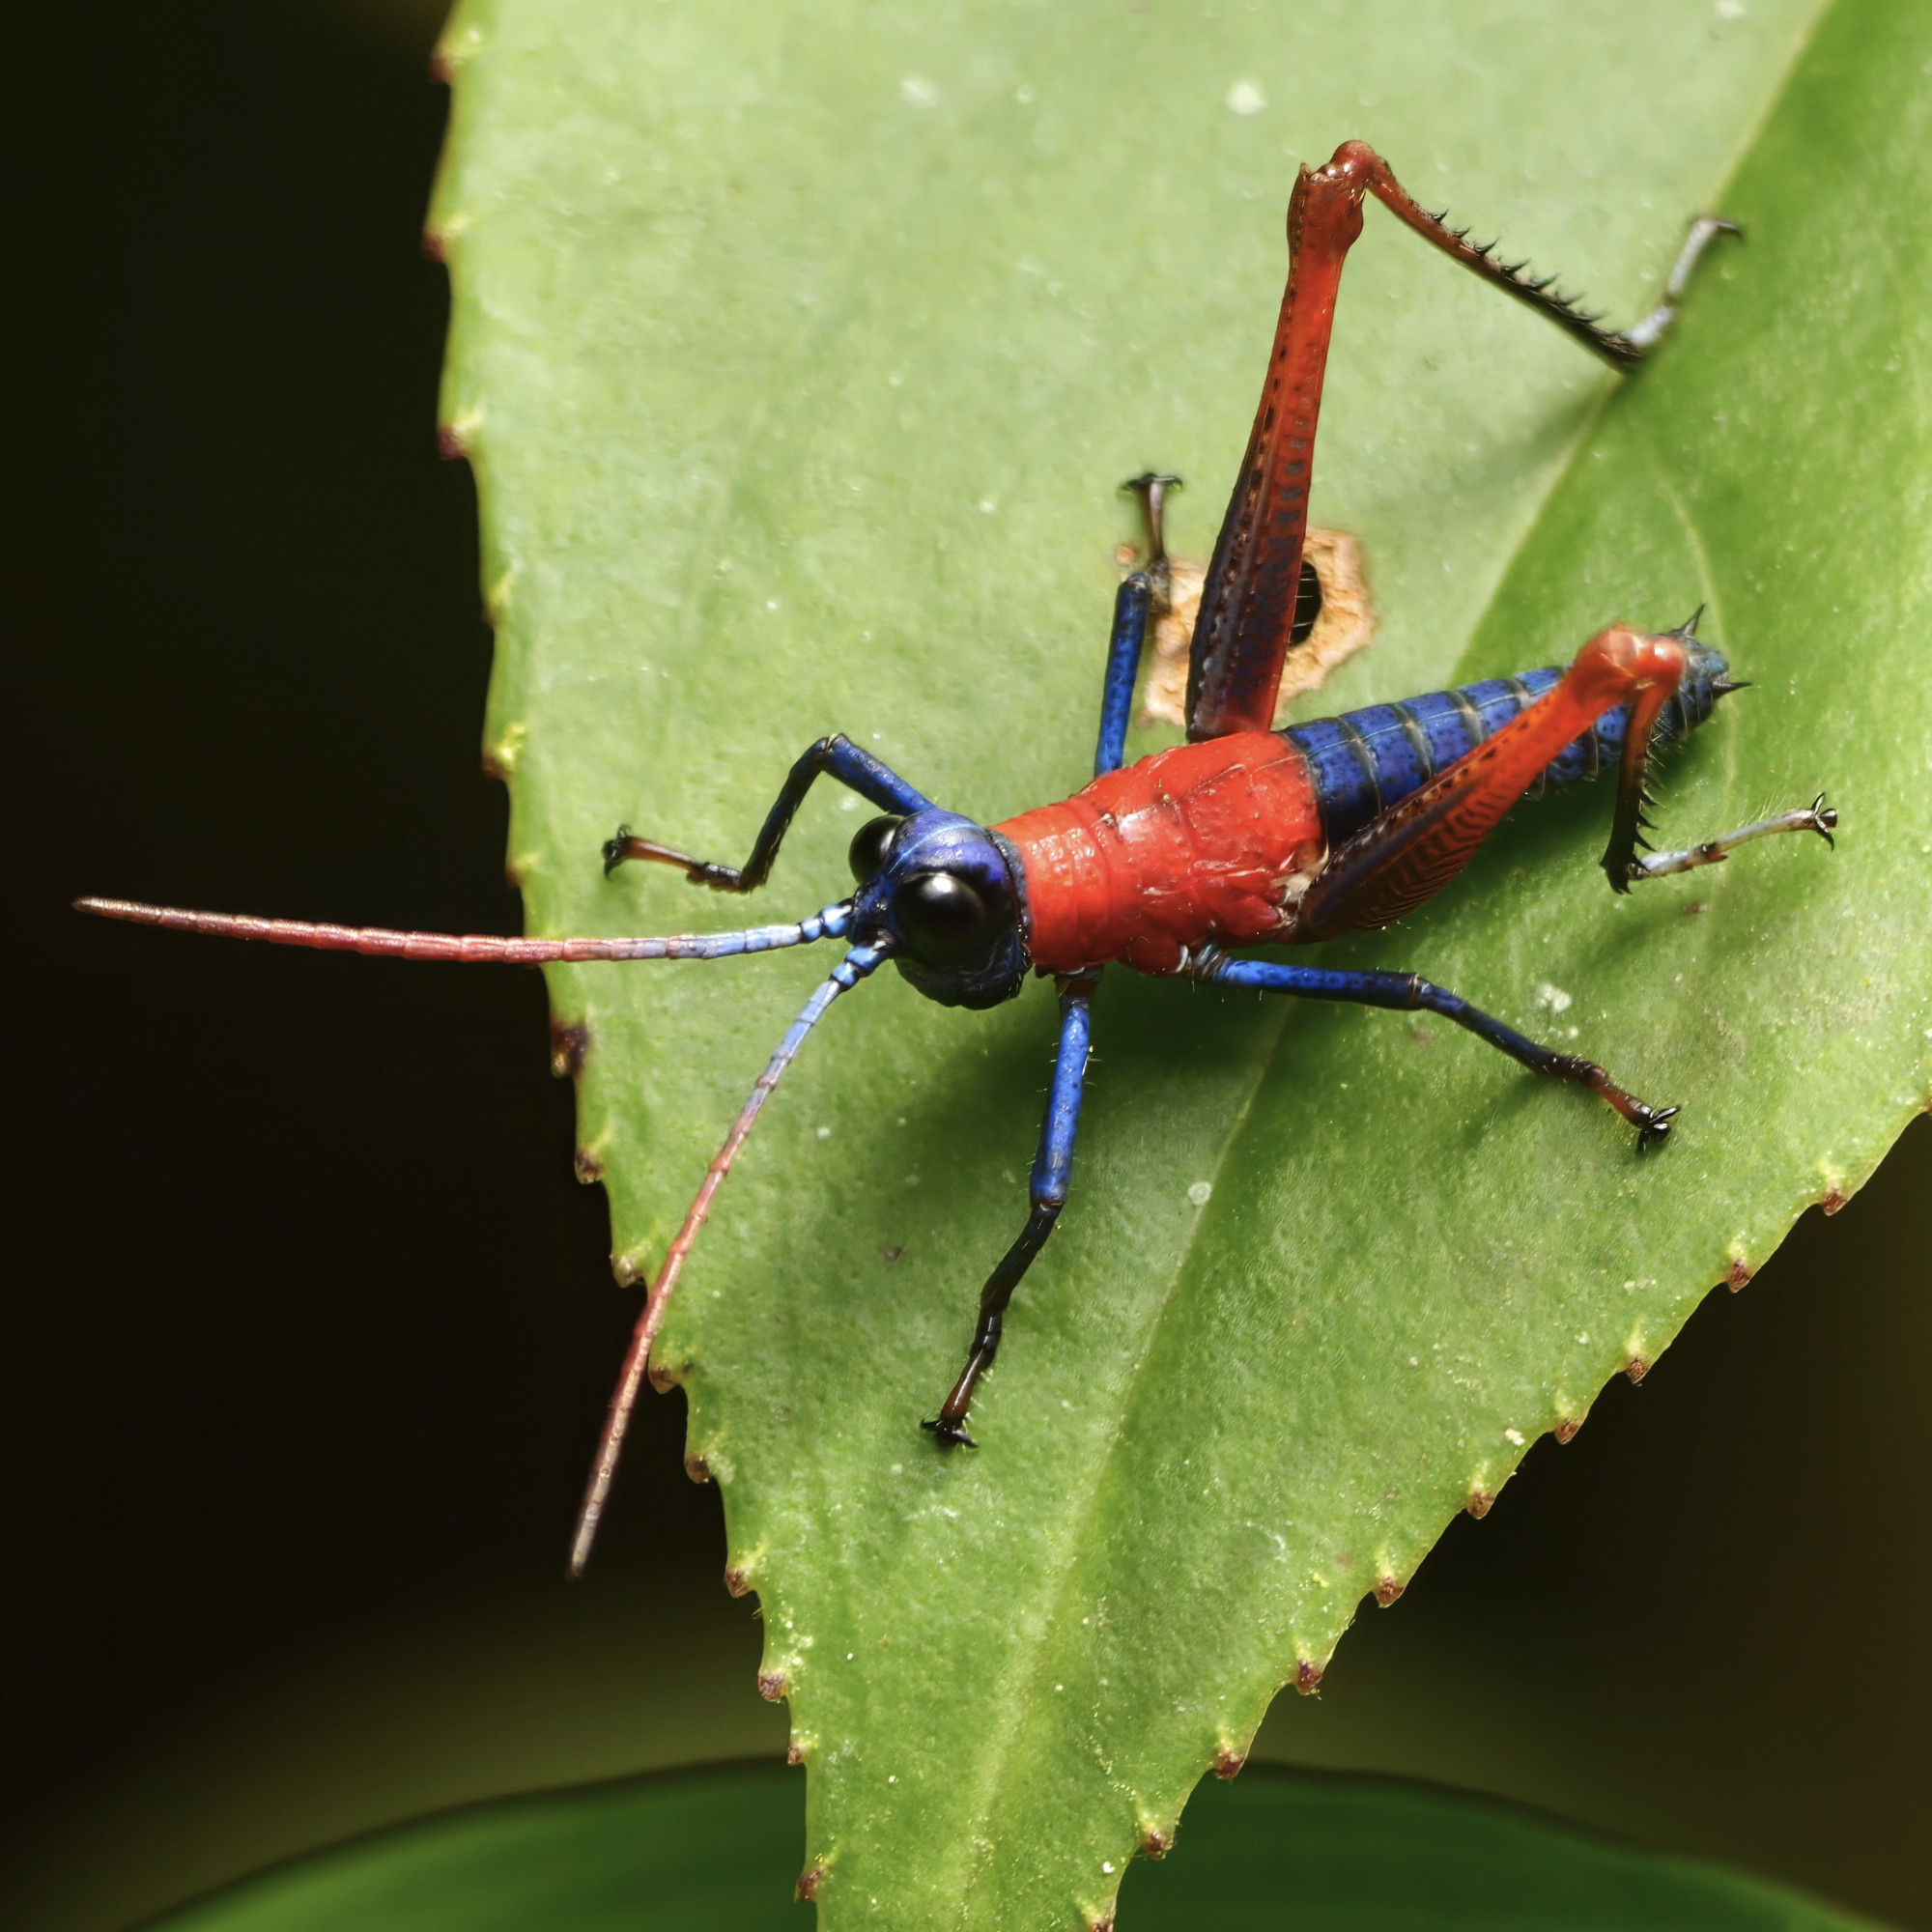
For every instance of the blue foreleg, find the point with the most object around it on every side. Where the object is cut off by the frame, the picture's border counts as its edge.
(1406, 992)
(1051, 1167)
(836, 755)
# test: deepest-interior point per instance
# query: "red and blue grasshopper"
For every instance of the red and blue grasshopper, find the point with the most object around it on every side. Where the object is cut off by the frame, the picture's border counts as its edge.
(1243, 837)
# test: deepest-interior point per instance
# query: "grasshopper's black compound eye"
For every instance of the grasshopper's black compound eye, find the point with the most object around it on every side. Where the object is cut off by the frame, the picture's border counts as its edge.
(944, 919)
(870, 846)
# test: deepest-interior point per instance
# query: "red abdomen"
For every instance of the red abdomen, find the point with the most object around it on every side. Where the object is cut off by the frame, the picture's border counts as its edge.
(1187, 846)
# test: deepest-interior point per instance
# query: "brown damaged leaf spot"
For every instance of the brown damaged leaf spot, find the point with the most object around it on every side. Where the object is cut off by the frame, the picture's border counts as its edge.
(1228, 1762)
(1307, 1676)
(772, 1684)
(449, 443)
(1736, 1275)
(1347, 625)
(432, 246)
(664, 1378)
(1566, 1430)
(1834, 1199)
(809, 1882)
(699, 1472)
(1388, 1590)
(1102, 1924)
(1481, 1501)
(1636, 1368)
(1155, 1842)
(738, 1581)
(588, 1168)
(569, 1045)
(794, 1753)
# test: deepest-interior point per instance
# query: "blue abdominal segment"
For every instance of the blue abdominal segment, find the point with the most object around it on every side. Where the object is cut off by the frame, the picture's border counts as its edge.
(1365, 761)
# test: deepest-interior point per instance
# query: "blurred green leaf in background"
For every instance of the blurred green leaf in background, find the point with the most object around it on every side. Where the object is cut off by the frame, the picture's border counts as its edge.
(695, 1851)
(798, 358)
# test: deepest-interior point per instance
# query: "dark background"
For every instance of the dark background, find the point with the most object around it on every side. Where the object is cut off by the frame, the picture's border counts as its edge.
(309, 1329)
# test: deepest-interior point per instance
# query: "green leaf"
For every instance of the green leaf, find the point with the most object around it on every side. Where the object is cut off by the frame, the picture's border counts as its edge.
(714, 1851)
(799, 355)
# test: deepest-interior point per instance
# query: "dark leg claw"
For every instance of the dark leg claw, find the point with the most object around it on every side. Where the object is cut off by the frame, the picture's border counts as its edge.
(949, 1435)
(1652, 1124)
(699, 871)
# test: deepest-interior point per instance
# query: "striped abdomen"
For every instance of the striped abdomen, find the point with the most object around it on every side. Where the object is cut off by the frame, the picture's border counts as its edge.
(1363, 762)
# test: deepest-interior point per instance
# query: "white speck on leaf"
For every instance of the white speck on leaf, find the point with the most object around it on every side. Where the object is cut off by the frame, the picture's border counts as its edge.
(1245, 96)
(1552, 996)
(1200, 1193)
(915, 91)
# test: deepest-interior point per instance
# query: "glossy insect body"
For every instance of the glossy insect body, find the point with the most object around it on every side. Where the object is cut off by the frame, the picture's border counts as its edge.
(1218, 842)
(1242, 836)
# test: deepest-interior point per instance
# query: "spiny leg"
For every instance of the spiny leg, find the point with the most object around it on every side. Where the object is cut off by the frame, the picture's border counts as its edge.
(1047, 1188)
(1248, 603)
(1407, 992)
(1817, 816)
(1410, 851)
(1621, 348)
(847, 762)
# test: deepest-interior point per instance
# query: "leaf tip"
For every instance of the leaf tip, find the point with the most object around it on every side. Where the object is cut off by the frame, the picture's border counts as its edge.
(699, 1472)
(1737, 1274)
(1387, 1589)
(737, 1575)
(1228, 1762)
(1480, 1501)
(1636, 1368)
(1834, 1198)
(1307, 1676)
(773, 1684)
(810, 1881)
(1566, 1430)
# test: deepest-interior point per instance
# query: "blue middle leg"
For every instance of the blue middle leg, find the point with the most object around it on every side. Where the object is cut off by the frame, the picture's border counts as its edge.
(1132, 604)
(1407, 992)
(840, 758)
(1052, 1167)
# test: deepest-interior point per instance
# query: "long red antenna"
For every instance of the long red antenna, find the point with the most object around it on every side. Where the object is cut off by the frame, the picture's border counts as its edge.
(474, 948)
(856, 964)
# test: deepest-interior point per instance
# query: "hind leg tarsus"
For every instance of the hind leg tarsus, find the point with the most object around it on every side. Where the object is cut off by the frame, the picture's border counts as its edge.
(1817, 816)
